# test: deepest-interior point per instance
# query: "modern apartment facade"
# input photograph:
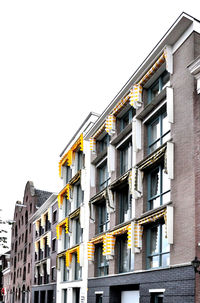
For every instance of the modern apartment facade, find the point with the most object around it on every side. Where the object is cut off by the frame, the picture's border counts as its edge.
(144, 183)
(73, 214)
(22, 245)
(44, 252)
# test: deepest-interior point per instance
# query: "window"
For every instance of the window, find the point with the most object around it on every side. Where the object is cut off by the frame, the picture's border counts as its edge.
(126, 119)
(26, 217)
(64, 295)
(102, 263)
(29, 248)
(103, 218)
(104, 179)
(158, 132)
(65, 271)
(79, 160)
(158, 86)
(67, 207)
(68, 173)
(77, 270)
(99, 298)
(31, 208)
(30, 228)
(103, 143)
(126, 258)
(124, 205)
(53, 273)
(157, 298)
(157, 246)
(54, 216)
(79, 195)
(79, 232)
(158, 187)
(54, 245)
(125, 157)
(65, 239)
(22, 220)
(29, 267)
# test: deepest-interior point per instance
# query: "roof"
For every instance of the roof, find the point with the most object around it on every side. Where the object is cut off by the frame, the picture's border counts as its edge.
(42, 196)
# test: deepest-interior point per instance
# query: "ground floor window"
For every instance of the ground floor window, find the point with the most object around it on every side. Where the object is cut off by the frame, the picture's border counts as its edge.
(157, 298)
(64, 295)
(99, 298)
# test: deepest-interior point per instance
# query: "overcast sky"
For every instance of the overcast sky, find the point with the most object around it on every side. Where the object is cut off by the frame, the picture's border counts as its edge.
(59, 60)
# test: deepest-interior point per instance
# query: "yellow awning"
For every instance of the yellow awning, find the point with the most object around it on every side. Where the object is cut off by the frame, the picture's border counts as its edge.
(64, 191)
(69, 253)
(60, 226)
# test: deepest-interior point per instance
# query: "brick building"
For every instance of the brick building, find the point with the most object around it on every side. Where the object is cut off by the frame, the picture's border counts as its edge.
(44, 252)
(144, 191)
(22, 243)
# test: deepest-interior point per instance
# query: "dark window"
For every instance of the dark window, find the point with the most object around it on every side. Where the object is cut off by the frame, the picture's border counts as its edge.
(79, 195)
(68, 174)
(102, 263)
(77, 270)
(30, 228)
(53, 273)
(79, 232)
(22, 220)
(65, 295)
(99, 298)
(104, 179)
(158, 187)
(124, 205)
(103, 218)
(67, 207)
(126, 119)
(66, 239)
(103, 143)
(157, 298)
(158, 86)
(31, 208)
(125, 157)
(157, 246)
(29, 267)
(54, 216)
(26, 217)
(54, 245)
(79, 160)
(158, 132)
(15, 230)
(29, 248)
(65, 271)
(126, 259)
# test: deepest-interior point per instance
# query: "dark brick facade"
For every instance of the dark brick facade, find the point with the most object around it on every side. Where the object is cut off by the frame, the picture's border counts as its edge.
(178, 284)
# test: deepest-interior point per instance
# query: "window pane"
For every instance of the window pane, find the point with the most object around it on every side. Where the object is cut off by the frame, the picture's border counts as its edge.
(165, 182)
(155, 183)
(165, 124)
(154, 262)
(155, 130)
(165, 260)
(165, 245)
(154, 240)
(155, 90)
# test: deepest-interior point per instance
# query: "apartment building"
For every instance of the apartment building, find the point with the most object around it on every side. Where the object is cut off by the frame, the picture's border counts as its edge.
(44, 252)
(144, 183)
(21, 243)
(73, 214)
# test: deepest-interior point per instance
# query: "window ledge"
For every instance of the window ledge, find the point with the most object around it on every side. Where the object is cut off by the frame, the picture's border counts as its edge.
(122, 134)
(148, 108)
(152, 211)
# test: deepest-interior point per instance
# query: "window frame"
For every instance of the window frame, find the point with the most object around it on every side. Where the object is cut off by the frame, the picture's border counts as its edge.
(161, 193)
(102, 262)
(158, 117)
(122, 213)
(103, 171)
(103, 217)
(122, 243)
(161, 226)
(161, 86)
(123, 122)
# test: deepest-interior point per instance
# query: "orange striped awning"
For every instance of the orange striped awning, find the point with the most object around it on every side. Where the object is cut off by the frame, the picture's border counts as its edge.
(69, 253)
(64, 191)
(60, 226)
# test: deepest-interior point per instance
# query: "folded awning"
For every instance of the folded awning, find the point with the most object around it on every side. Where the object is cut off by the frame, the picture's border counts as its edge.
(64, 191)
(60, 226)
(69, 253)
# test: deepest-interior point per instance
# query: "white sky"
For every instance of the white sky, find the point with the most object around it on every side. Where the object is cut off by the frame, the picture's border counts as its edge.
(59, 60)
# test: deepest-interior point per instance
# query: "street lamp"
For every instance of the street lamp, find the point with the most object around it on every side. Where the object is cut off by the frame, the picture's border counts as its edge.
(196, 263)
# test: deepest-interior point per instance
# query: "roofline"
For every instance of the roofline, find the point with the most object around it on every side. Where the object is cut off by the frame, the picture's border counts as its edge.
(138, 72)
(78, 130)
(44, 206)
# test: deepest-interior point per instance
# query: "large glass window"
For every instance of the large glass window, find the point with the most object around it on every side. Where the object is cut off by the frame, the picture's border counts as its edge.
(79, 195)
(158, 86)
(65, 238)
(158, 187)
(103, 176)
(67, 207)
(102, 262)
(157, 246)
(124, 205)
(103, 218)
(79, 160)
(126, 258)
(68, 174)
(158, 132)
